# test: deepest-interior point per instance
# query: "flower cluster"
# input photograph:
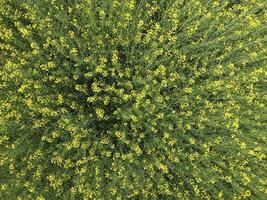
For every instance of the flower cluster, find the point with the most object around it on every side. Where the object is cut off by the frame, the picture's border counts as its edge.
(136, 99)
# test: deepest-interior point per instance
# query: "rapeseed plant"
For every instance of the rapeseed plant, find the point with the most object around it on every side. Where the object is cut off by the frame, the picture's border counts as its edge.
(136, 99)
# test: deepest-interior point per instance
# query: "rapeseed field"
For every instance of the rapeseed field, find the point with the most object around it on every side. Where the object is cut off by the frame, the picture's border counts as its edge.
(133, 99)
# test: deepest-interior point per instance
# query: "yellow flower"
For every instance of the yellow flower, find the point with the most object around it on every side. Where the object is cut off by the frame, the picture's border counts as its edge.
(100, 113)
(74, 51)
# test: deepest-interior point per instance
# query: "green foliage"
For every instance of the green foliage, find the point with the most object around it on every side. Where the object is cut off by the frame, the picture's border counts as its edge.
(136, 99)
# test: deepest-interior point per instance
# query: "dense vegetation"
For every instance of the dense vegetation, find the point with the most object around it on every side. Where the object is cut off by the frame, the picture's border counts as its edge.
(134, 99)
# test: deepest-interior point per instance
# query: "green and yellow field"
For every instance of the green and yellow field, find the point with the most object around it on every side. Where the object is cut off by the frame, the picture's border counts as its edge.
(133, 99)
